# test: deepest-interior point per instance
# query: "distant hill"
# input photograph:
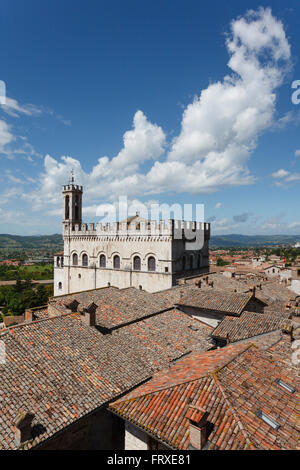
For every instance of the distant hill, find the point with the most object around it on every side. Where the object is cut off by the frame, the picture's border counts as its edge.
(235, 240)
(15, 242)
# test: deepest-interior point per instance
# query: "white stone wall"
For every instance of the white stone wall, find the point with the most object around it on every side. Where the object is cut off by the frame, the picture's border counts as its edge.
(168, 254)
(59, 277)
(135, 439)
(295, 286)
(285, 274)
(269, 271)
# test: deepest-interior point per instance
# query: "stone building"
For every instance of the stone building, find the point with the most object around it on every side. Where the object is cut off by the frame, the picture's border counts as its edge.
(137, 252)
(295, 284)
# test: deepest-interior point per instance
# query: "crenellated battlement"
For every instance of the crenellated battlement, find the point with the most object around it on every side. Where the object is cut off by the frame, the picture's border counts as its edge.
(151, 227)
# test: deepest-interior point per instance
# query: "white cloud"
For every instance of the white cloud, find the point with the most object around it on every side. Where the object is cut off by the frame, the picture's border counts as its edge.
(297, 153)
(14, 109)
(280, 173)
(218, 205)
(219, 130)
(285, 177)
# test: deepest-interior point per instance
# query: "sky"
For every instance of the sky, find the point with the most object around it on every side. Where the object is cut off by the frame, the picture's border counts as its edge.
(160, 101)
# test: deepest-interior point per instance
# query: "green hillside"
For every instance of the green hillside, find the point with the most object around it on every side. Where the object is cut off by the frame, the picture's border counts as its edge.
(13, 242)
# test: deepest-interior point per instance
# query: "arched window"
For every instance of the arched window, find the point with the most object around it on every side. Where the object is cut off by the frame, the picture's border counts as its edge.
(102, 261)
(117, 262)
(60, 285)
(85, 260)
(151, 263)
(67, 207)
(75, 259)
(58, 262)
(191, 261)
(137, 263)
(62, 261)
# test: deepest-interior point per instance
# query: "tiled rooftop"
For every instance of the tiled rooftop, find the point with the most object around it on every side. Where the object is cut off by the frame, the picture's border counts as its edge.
(247, 325)
(61, 369)
(205, 298)
(213, 299)
(115, 306)
(232, 385)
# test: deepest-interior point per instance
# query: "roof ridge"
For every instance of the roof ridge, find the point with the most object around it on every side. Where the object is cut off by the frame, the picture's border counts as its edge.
(232, 411)
(206, 374)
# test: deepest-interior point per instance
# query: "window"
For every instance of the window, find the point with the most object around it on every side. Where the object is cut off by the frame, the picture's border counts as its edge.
(58, 262)
(141, 287)
(102, 261)
(166, 269)
(76, 206)
(62, 261)
(67, 207)
(183, 263)
(60, 285)
(267, 419)
(199, 261)
(151, 263)
(137, 263)
(286, 386)
(193, 328)
(75, 259)
(117, 262)
(85, 260)
(191, 261)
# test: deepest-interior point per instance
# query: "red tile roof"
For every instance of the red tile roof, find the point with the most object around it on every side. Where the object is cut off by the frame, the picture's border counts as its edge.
(232, 390)
(247, 325)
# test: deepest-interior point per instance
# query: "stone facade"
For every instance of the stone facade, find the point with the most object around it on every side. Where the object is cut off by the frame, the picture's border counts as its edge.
(295, 284)
(137, 252)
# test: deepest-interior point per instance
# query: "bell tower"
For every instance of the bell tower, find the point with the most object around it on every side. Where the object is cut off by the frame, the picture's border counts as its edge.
(72, 203)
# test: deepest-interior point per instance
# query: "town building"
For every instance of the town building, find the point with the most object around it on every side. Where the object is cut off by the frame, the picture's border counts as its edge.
(136, 252)
(295, 282)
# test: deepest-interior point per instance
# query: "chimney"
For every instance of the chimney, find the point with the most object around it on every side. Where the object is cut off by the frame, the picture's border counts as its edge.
(28, 315)
(89, 318)
(23, 428)
(252, 289)
(198, 431)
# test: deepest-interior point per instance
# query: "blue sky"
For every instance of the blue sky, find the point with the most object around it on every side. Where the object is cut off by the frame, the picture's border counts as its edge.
(165, 101)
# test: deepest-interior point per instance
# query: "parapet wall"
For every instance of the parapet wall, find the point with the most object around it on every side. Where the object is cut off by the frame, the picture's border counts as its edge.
(138, 228)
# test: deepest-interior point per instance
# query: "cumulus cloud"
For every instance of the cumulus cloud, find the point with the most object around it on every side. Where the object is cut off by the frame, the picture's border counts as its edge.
(109, 178)
(219, 129)
(218, 205)
(280, 173)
